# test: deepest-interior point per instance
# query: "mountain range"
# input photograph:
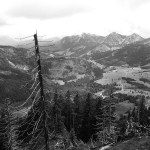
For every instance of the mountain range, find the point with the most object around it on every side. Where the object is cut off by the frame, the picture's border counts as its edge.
(86, 44)
(76, 63)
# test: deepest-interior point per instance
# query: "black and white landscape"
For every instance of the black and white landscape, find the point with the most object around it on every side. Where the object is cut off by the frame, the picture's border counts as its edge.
(75, 75)
(81, 65)
(74, 61)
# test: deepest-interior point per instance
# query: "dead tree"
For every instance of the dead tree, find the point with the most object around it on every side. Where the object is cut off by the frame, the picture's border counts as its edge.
(106, 122)
(42, 96)
(34, 130)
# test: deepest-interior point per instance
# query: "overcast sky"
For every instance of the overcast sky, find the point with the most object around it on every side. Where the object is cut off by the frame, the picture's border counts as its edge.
(57, 18)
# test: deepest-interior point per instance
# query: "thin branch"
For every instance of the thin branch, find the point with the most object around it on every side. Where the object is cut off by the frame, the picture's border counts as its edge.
(31, 47)
(47, 45)
(36, 76)
(28, 97)
(45, 41)
(24, 37)
(35, 68)
(25, 44)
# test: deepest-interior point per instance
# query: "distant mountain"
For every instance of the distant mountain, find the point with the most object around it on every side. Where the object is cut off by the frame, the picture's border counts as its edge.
(132, 55)
(114, 39)
(132, 38)
(76, 45)
(87, 44)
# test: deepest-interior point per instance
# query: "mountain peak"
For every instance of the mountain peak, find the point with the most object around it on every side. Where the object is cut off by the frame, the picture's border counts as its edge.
(135, 35)
(114, 39)
(132, 38)
(85, 35)
(92, 37)
(114, 33)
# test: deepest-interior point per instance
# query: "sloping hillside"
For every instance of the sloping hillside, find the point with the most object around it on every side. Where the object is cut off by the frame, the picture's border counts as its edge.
(16, 76)
(142, 143)
(76, 62)
(133, 55)
(70, 74)
(15, 66)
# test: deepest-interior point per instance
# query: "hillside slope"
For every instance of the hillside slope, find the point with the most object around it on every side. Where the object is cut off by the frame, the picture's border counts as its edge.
(16, 76)
(142, 143)
(132, 55)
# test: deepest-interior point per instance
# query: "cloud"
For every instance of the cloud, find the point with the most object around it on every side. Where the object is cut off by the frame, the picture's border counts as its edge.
(44, 9)
(139, 2)
(5, 40)
(67, 17)
(132, 4)
(3, 22)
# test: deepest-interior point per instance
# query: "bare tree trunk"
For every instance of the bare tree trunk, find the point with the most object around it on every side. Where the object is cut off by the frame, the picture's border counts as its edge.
(42, 92)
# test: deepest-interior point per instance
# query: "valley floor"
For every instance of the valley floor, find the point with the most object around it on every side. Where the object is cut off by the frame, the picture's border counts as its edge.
(131, 81)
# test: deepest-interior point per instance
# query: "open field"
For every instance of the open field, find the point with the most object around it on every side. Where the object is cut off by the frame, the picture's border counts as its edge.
(134, 81)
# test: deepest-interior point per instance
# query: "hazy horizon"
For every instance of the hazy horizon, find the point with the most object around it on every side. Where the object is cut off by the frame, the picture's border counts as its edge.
(59, 18)
(6, 40)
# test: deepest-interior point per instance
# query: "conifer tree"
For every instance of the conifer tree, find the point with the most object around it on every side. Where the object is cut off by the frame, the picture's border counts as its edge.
(76, 103)
(68, 112)
(100, 124)
(142, 112)
(77, 115)
(87, 120)
(148, 116)
(6, 129)
(56, 113)
(73, 137)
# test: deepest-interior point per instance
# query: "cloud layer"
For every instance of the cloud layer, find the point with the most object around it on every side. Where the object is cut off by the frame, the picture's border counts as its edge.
(68, 17)
(46, 9)
(3, 22)
(137, 3)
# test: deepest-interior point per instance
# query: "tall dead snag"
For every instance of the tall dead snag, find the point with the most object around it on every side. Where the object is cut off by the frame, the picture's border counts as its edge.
(106, 121)
(42, 92)
(34, 129)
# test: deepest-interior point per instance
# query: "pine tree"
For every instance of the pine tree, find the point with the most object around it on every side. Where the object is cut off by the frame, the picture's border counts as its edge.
(134, 115)
(6, 129)
(87, 120)
(73, 137)
(76, 103)
(100, 124)
(68, 112)
(4, 137)
(56, 113)
(77, 115)
(121, 128)
(142, 112)
(148, 116)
